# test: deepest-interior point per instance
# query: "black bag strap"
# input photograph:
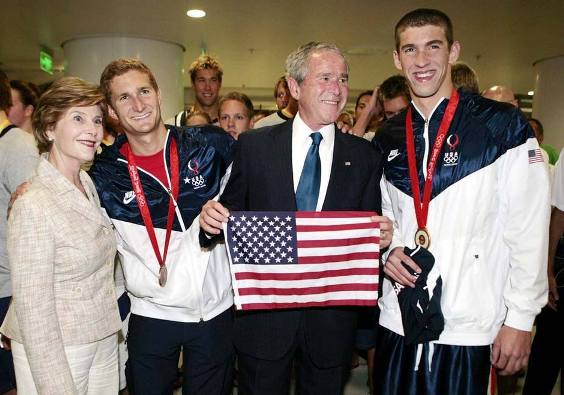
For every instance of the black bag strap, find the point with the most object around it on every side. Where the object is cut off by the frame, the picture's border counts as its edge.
(6, 130)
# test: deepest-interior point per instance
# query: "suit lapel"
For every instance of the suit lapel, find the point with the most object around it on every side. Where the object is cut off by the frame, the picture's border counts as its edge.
(340, 170)
(89, 207)
(282, 164)
(69, 197)
(83, 206)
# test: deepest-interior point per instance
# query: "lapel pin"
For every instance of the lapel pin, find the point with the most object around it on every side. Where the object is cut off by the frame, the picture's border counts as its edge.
(347, 163)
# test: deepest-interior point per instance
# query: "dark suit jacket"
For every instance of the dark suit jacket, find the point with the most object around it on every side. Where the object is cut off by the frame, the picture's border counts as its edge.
(262, 180)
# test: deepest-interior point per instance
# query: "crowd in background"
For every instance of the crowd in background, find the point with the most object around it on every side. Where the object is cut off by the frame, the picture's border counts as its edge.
(62, 289)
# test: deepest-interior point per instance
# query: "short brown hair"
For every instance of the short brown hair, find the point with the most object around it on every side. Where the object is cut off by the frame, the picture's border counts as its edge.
(241, 98)
(205, 62)
(63, 94)
(423, 17)
(119, 67)
(5, 94)
(464, 77)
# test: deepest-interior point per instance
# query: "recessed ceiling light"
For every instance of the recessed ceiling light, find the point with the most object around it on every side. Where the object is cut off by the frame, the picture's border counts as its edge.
(196, 13)
(531, 93)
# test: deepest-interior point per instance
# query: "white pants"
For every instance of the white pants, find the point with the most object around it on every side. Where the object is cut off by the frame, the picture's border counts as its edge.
(122, 352)
(94, 367)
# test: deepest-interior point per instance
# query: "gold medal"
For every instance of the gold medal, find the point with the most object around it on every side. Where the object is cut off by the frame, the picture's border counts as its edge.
(422, 238)
(162, 276)
(421, 203)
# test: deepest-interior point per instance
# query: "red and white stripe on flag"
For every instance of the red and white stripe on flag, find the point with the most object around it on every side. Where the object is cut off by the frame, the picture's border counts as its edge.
(535, 156)
(303, 259)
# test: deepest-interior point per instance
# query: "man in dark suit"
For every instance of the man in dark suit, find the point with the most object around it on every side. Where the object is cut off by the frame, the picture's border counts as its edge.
(302, 164)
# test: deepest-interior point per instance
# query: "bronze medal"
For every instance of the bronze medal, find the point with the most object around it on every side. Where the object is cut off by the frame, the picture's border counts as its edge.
(144, 209)
(422, 238)
(162, 276)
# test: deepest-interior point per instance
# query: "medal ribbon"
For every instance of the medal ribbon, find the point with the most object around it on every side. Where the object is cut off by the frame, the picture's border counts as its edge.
(142, 201)
(422, 209)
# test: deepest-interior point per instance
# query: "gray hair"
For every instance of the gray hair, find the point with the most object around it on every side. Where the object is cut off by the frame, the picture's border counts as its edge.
(297, 61)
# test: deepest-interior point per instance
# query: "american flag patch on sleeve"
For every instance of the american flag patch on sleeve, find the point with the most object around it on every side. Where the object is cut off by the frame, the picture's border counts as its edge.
(535, 156)
(303, 259)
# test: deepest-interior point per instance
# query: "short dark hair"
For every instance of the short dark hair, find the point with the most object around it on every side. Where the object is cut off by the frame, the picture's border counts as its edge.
(5, 94)
(393, 87)
(28, 95)
(423, 17)
(463, 76)
(240, 97)
(362, 94)
(539, 125)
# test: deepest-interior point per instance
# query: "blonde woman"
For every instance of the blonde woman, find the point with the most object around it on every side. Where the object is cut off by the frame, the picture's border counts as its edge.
(63, 320)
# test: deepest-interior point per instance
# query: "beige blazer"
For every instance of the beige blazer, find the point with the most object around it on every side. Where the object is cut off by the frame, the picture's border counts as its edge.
(61, 249)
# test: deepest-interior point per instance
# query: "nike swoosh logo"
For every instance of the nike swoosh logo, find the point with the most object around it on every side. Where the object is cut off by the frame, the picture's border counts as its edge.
(393, 155)
(128, 199)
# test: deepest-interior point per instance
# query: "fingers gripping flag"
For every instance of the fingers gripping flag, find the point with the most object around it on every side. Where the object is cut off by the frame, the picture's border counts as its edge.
(303, 259)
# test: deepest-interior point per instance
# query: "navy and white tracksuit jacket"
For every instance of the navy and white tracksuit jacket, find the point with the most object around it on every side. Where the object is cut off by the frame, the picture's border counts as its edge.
(488, 217)
(198, 288)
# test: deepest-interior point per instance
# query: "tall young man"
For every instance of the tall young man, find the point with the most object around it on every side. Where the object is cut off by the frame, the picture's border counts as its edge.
(206, 75)
(466, 189)
(153, 182)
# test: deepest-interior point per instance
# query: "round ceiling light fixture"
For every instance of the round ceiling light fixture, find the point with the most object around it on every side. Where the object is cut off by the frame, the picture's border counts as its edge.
(195, 13)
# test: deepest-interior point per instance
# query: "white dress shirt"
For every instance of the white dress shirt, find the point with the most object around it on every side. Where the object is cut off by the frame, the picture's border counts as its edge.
(301, 142)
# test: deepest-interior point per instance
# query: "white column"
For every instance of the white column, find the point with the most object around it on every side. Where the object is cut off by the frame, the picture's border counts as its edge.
(86, 57)
(548, 101)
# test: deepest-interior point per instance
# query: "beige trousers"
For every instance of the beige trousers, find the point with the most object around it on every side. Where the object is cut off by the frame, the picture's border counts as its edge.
(94, 367)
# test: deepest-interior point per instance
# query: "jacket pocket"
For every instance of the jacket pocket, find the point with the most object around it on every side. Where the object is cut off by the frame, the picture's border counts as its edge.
(468, 299)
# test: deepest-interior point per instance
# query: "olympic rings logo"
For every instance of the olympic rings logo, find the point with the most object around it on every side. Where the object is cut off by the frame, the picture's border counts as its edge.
(198, 181)
(451, 158)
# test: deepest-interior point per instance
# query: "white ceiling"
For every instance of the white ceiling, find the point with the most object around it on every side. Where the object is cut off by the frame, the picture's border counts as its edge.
(500, 38)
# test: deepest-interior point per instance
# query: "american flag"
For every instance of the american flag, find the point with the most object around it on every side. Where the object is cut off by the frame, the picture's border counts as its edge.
(535, 156)
(303, 259)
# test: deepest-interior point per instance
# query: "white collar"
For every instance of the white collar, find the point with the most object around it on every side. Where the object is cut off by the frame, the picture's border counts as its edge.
(301, 131)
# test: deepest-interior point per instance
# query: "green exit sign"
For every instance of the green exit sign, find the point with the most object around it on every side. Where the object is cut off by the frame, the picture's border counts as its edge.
(45, 62)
